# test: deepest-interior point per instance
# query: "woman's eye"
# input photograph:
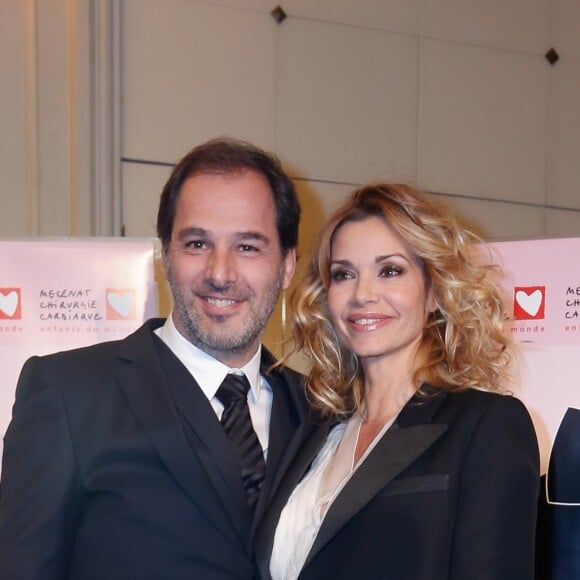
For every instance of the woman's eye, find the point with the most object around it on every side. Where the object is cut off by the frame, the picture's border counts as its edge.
(391, 270)
(338, 275)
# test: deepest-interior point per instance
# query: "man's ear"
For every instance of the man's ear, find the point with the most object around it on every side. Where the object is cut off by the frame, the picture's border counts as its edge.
(165, 259)
(289, 266)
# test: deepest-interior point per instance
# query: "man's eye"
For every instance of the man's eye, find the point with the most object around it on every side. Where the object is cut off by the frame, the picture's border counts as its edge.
(248, 248)
(195, 244)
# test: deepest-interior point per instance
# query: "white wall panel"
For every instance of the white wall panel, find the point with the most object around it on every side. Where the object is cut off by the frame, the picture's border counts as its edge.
(193, 71)
(142, 185)
(333, 90)
(45, 135)
(521, 25)
(564, 143)
(565, 20)
(391, 15)
(498, 220)
(259, 5)
(318, 200)
(562, 224)
(13, 120)
(347, 101)
(482, 122)
(54, 119)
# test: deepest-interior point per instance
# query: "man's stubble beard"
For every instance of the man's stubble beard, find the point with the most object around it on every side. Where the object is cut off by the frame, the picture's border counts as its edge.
(225, 341)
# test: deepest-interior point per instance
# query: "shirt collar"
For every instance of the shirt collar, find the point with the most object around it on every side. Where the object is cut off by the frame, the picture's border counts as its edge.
(205, 369)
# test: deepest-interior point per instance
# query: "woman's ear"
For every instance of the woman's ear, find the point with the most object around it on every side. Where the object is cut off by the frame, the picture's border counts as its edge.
(431, 302)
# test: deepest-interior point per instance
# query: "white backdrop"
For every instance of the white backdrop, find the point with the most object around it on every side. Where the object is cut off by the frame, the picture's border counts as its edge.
(61, 294)
(542, 291)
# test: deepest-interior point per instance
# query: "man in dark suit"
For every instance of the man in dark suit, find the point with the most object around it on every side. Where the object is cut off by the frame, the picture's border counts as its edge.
(125, 460)
(558, 532)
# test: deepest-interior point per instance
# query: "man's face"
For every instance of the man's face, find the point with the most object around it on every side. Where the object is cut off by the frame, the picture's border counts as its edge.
(224, 263)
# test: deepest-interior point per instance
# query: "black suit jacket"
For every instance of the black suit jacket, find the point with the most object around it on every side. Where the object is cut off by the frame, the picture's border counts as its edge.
(116, 467)
(558, 539)
(449, 492)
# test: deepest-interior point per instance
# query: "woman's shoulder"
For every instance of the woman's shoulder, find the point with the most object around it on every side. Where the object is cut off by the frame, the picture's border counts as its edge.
(477, 403)
(493, 421)
(485, 397)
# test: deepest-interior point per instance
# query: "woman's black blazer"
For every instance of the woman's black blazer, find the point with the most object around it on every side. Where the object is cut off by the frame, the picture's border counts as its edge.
(449, 493)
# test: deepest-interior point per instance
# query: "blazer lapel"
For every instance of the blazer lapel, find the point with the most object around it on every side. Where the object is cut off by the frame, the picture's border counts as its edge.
(286, 481)
(289, 426)
(152, 399)
(408, 438)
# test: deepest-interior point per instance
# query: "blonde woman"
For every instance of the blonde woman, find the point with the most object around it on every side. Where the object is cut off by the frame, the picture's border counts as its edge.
(425, 469)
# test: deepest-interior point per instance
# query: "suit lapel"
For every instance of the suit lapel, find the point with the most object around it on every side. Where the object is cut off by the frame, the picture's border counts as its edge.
(400, 446)
(286, 481)
(209, 441)
(153, 400)
(289, 426)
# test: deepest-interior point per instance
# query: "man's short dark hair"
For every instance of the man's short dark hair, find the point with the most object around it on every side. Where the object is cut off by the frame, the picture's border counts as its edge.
(229, 156)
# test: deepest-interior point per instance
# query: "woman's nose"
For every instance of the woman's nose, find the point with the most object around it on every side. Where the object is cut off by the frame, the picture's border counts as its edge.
(365, 290)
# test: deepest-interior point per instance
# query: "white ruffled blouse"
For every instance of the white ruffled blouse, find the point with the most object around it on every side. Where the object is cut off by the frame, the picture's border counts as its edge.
(308, 504)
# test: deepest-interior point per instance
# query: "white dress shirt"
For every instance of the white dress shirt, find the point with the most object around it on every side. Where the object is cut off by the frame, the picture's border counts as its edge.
(210, 372)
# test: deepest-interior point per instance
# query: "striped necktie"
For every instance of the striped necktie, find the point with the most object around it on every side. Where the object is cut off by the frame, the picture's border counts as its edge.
(236, 421)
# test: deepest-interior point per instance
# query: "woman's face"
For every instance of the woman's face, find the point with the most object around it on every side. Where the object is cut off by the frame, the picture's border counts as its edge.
(377, 296)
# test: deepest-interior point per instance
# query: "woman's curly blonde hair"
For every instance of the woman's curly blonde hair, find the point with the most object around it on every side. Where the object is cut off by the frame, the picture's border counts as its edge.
(463, 343)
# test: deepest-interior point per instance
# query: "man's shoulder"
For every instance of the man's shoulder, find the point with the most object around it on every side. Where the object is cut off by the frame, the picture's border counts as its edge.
(89, 371)
(291, 375)
(273, 370)
(100, 352)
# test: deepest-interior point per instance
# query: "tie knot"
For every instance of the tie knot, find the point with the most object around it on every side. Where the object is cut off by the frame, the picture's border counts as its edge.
(233, 388)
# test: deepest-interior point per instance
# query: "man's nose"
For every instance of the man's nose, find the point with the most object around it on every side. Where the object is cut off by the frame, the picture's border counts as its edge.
(221, 267)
